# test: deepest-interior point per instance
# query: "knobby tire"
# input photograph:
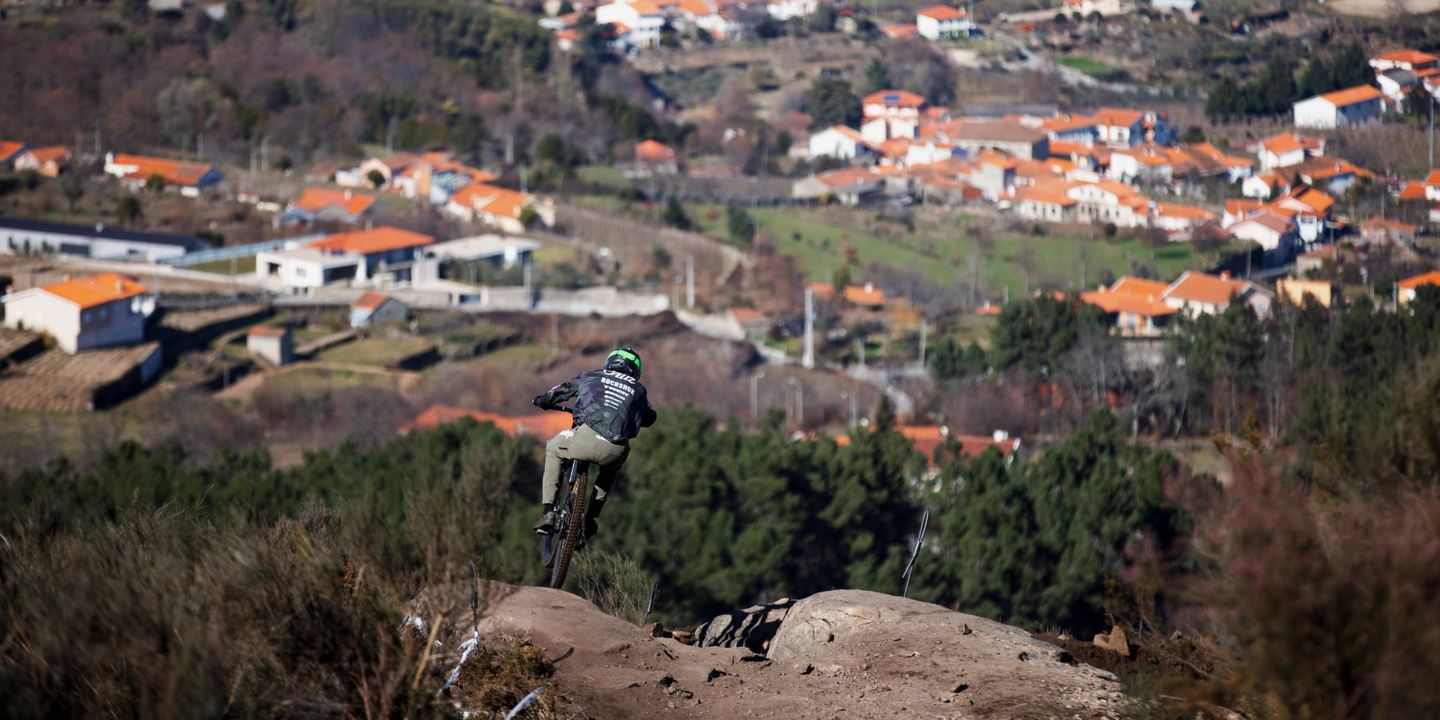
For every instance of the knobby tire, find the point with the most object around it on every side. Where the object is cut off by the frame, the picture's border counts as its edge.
(579, 501)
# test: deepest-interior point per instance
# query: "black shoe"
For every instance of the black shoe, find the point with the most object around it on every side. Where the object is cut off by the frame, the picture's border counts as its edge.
(546, 524)
(592, 527)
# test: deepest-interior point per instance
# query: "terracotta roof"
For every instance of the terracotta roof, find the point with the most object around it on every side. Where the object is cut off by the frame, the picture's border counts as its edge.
(1138, 286)
(894, 98)
(371, 301)
(57, 153)
(1269, 220)
(317, 199)
(867, 295)
(10, 147)
(645, 7)
(1350, 96)
(654, 151)
(942, 12)
(845, 177)
(1118, 302)
(1410, 283)
(1219, 156)
(95, 290)
(1063, 123)
(926, 439)
(1414, 190)
(378, 240)
(1047, 194)
(1406, 55)
(268, 331)
(901, 30)
(1119, 117)
(491, 199)
(1241, 208)
(1433, 178)
(540, 425)
(1061, 147)
(747, 316)
(824, 291)
(1176, 210)
(1318, 200)
(173, 172)
(1200, 287)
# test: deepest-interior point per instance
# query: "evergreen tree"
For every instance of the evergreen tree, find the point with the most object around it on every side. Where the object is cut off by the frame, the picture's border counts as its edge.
(1223, 103)
(1033, 334)
(877, 76)
(831, 102)
(674, 215)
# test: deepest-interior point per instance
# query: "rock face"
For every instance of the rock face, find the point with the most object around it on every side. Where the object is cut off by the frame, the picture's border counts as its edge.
(751, 628)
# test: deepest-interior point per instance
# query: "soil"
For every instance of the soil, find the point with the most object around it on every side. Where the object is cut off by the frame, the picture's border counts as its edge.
(925, 663)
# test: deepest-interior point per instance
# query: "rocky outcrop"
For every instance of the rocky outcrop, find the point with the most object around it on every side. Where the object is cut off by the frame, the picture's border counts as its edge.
(751, 628)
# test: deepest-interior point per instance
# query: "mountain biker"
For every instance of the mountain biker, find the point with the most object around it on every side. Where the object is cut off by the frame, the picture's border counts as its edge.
(610, 408)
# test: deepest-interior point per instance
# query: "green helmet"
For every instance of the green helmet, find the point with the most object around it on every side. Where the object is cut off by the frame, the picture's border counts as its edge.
(624, 360)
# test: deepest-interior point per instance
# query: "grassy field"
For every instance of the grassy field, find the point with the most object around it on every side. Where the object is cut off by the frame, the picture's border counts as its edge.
(1093, 68)
(941, 249)
(379, 352)
(238, 266)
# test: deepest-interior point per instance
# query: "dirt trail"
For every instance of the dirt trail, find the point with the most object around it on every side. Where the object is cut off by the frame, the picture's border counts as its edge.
(880, 657)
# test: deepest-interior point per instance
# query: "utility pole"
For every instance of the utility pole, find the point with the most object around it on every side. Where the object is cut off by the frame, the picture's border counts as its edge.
(755, 395)
(690, 281)
(922, 342)
(807, 358)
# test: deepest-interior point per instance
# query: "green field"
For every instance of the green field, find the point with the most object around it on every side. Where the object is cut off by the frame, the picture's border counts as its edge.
(1093, 68)
(379, 352)
(238, 266)
(815, 238)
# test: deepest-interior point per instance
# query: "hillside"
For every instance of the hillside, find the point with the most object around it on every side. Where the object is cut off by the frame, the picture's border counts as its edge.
(845, 653)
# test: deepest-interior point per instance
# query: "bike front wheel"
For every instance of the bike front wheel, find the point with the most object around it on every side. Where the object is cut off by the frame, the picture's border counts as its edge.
(572, 531)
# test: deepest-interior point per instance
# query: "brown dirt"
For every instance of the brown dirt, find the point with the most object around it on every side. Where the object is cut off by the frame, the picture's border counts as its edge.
(608, 668)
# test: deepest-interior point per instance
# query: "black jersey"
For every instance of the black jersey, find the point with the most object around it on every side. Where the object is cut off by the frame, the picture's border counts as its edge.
(613, 404)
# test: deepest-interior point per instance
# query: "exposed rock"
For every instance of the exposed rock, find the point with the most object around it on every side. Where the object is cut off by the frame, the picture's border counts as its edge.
(1116, 641)
(751, 628)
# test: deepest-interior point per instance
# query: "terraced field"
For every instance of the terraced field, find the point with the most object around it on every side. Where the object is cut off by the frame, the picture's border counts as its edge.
(57, 381)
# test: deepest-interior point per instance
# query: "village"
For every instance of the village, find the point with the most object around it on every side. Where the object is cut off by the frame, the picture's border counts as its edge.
(358, 260)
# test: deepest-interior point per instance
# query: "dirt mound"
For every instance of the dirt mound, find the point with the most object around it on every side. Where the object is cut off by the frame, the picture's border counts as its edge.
(842, 654)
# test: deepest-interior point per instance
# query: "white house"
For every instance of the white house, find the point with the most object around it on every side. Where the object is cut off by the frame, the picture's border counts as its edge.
(899, 109)
(499, 207)
(941, 22)
(1285, 149)
(1266, 228)
(786, 9)
(1404, 59)
(641, 20)
(83, 313)
(361, 256)
(1360, 105)
(1196, 293)
(137, 170)
(840, 142)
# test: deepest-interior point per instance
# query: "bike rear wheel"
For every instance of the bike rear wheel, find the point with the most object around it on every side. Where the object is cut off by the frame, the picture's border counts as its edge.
(572, 530)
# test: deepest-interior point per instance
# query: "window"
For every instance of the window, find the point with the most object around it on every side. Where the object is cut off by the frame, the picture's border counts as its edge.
(299, 272)
(85, 317)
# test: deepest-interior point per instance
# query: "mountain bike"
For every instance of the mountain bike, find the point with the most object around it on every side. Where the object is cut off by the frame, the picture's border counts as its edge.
(557, 548)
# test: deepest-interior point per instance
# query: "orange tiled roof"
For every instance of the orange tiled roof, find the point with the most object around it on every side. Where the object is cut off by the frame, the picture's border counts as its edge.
(317, 199)
(1410, 283)
(173, 172)
(1406, 55)
(1122, 302)
(1182, 211)
(95, 290)
(1209, 289)
(1061, 147)
(867, 295)
(1414, 190)
(268, 331)
(1379, 223)
(654, 151)
(491, 199)
(1138, 286)
(1047, 194)
(9, 147)
(901, 30)
(1118, 117)
(894, 98)
(366, 242)
(371, 300)
(1433, 178)
(842, 177)
(1241, 208)
(1350, 96)
(57, 153)
(942, 13)
(541, 425)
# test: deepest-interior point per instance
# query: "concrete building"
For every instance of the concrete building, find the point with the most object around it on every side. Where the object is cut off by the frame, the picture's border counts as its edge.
(33, 237)
(93, 312)
(275, 345)
(1015, 140)
(942, 22)
(1351, 107)
(375, 308)
(382, 254)
(840, 142)
(136, 171)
